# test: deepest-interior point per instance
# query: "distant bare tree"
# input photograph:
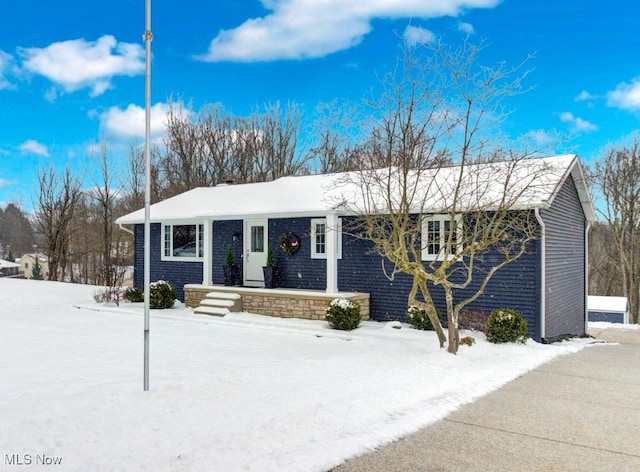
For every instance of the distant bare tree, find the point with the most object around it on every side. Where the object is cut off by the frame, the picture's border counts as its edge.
(213, 146)
(58, 196)
(335, 147)
(617, 176)
(605, 276)
(278, 149)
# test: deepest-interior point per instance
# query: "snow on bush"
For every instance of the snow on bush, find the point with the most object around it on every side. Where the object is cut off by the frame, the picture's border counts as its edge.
(162, 294)
(506, 326)
(343, 314)
(418, 318)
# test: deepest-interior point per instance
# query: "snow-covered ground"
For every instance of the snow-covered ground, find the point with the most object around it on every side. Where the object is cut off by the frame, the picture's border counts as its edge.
(607, 325)
(240, 393)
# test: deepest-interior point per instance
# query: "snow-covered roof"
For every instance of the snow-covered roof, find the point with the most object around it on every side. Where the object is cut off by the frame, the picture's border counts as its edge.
(532, 183)
(8, 265)
(607, 304)
(32, 256)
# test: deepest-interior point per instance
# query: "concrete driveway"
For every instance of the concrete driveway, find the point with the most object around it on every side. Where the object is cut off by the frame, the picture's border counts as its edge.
(580, 412)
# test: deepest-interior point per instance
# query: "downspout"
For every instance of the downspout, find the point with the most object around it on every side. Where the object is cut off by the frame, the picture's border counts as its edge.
(126, 230)
(543, 267)
(586, 276)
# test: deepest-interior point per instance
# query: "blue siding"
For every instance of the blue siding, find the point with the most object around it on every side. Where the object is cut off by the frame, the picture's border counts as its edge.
(297, 270)
(610, 316)
(565, 269)
(515, 286)
(178, 273)
(223, 233)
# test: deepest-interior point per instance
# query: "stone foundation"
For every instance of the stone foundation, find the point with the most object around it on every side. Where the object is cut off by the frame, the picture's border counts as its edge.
(282, 303)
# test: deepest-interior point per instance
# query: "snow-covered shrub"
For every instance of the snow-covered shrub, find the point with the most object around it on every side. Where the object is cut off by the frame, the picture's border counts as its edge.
(108, 295)
(505, 326)
(343, 314)
(417, 317)
(162, 294)
(134, 294)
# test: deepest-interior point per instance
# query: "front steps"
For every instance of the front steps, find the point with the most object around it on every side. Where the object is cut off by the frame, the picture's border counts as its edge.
(219, 304)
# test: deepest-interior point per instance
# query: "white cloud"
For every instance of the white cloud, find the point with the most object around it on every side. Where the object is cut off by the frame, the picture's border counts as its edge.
(416, 35)
(299, 29)
(5, 64)
(584, 96)
(466, 28)
(540, 137)
(6, 183)
(34, 147)
(577, 123)
(130, 122)
(625, 96)
(77, 64)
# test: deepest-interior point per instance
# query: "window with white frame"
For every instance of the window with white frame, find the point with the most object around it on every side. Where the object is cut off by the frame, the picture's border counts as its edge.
(437, 231)
(319, 238)
(183, 242)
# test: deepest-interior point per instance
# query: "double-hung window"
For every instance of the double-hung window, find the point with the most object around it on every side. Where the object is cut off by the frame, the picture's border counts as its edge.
(437, 232)
(183, 242)
(319, 234)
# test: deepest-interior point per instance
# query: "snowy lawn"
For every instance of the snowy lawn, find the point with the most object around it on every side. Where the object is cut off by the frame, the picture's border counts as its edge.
(240, 393)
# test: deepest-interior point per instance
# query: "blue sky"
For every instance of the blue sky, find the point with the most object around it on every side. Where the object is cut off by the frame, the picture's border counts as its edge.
(72, 73)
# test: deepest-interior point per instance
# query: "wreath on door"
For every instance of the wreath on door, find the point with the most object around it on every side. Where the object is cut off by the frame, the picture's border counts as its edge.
(289, 243)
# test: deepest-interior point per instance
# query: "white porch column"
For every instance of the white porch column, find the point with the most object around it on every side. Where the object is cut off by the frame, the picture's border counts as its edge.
(332, 253)
(207, 263)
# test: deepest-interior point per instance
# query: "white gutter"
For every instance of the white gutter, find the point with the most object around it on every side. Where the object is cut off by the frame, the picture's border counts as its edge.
(126, 230)
(543, 281)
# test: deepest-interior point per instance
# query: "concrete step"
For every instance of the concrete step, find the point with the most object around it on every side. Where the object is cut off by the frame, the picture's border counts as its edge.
(211, 310)
(217, 302)
(224, 295)
(232, 301)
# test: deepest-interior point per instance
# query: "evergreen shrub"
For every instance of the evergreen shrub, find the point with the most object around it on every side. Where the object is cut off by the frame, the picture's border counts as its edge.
(162, 294)
(134, 294)
(418, 318)
(506, 326)
(343, 314)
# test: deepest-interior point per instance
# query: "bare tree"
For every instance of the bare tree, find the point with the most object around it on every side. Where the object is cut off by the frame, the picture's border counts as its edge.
(58, 196)
(278, 150)
(335, 148)
(617, 176)
(440, 106)
(605, 276)
(213, 146)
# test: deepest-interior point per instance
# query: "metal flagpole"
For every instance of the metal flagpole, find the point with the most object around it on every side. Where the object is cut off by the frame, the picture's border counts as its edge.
(148, 37)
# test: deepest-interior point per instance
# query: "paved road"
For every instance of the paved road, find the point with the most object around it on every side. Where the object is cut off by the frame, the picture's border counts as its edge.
(580, 412)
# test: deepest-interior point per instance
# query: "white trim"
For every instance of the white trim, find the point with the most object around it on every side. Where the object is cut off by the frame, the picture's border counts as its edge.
(246, 242)
(328, 226)
(207, 263)
(440, 218)
(333, 243)
(586, 276)
(543, 271)
(163, 255)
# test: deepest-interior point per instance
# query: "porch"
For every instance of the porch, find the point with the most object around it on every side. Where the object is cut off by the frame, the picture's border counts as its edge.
(278, 302)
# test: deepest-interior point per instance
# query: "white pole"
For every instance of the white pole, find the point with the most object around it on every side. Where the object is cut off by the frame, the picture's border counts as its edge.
(148, 37)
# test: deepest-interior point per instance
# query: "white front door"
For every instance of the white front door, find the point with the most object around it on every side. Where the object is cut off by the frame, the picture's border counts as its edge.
(255, 251)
